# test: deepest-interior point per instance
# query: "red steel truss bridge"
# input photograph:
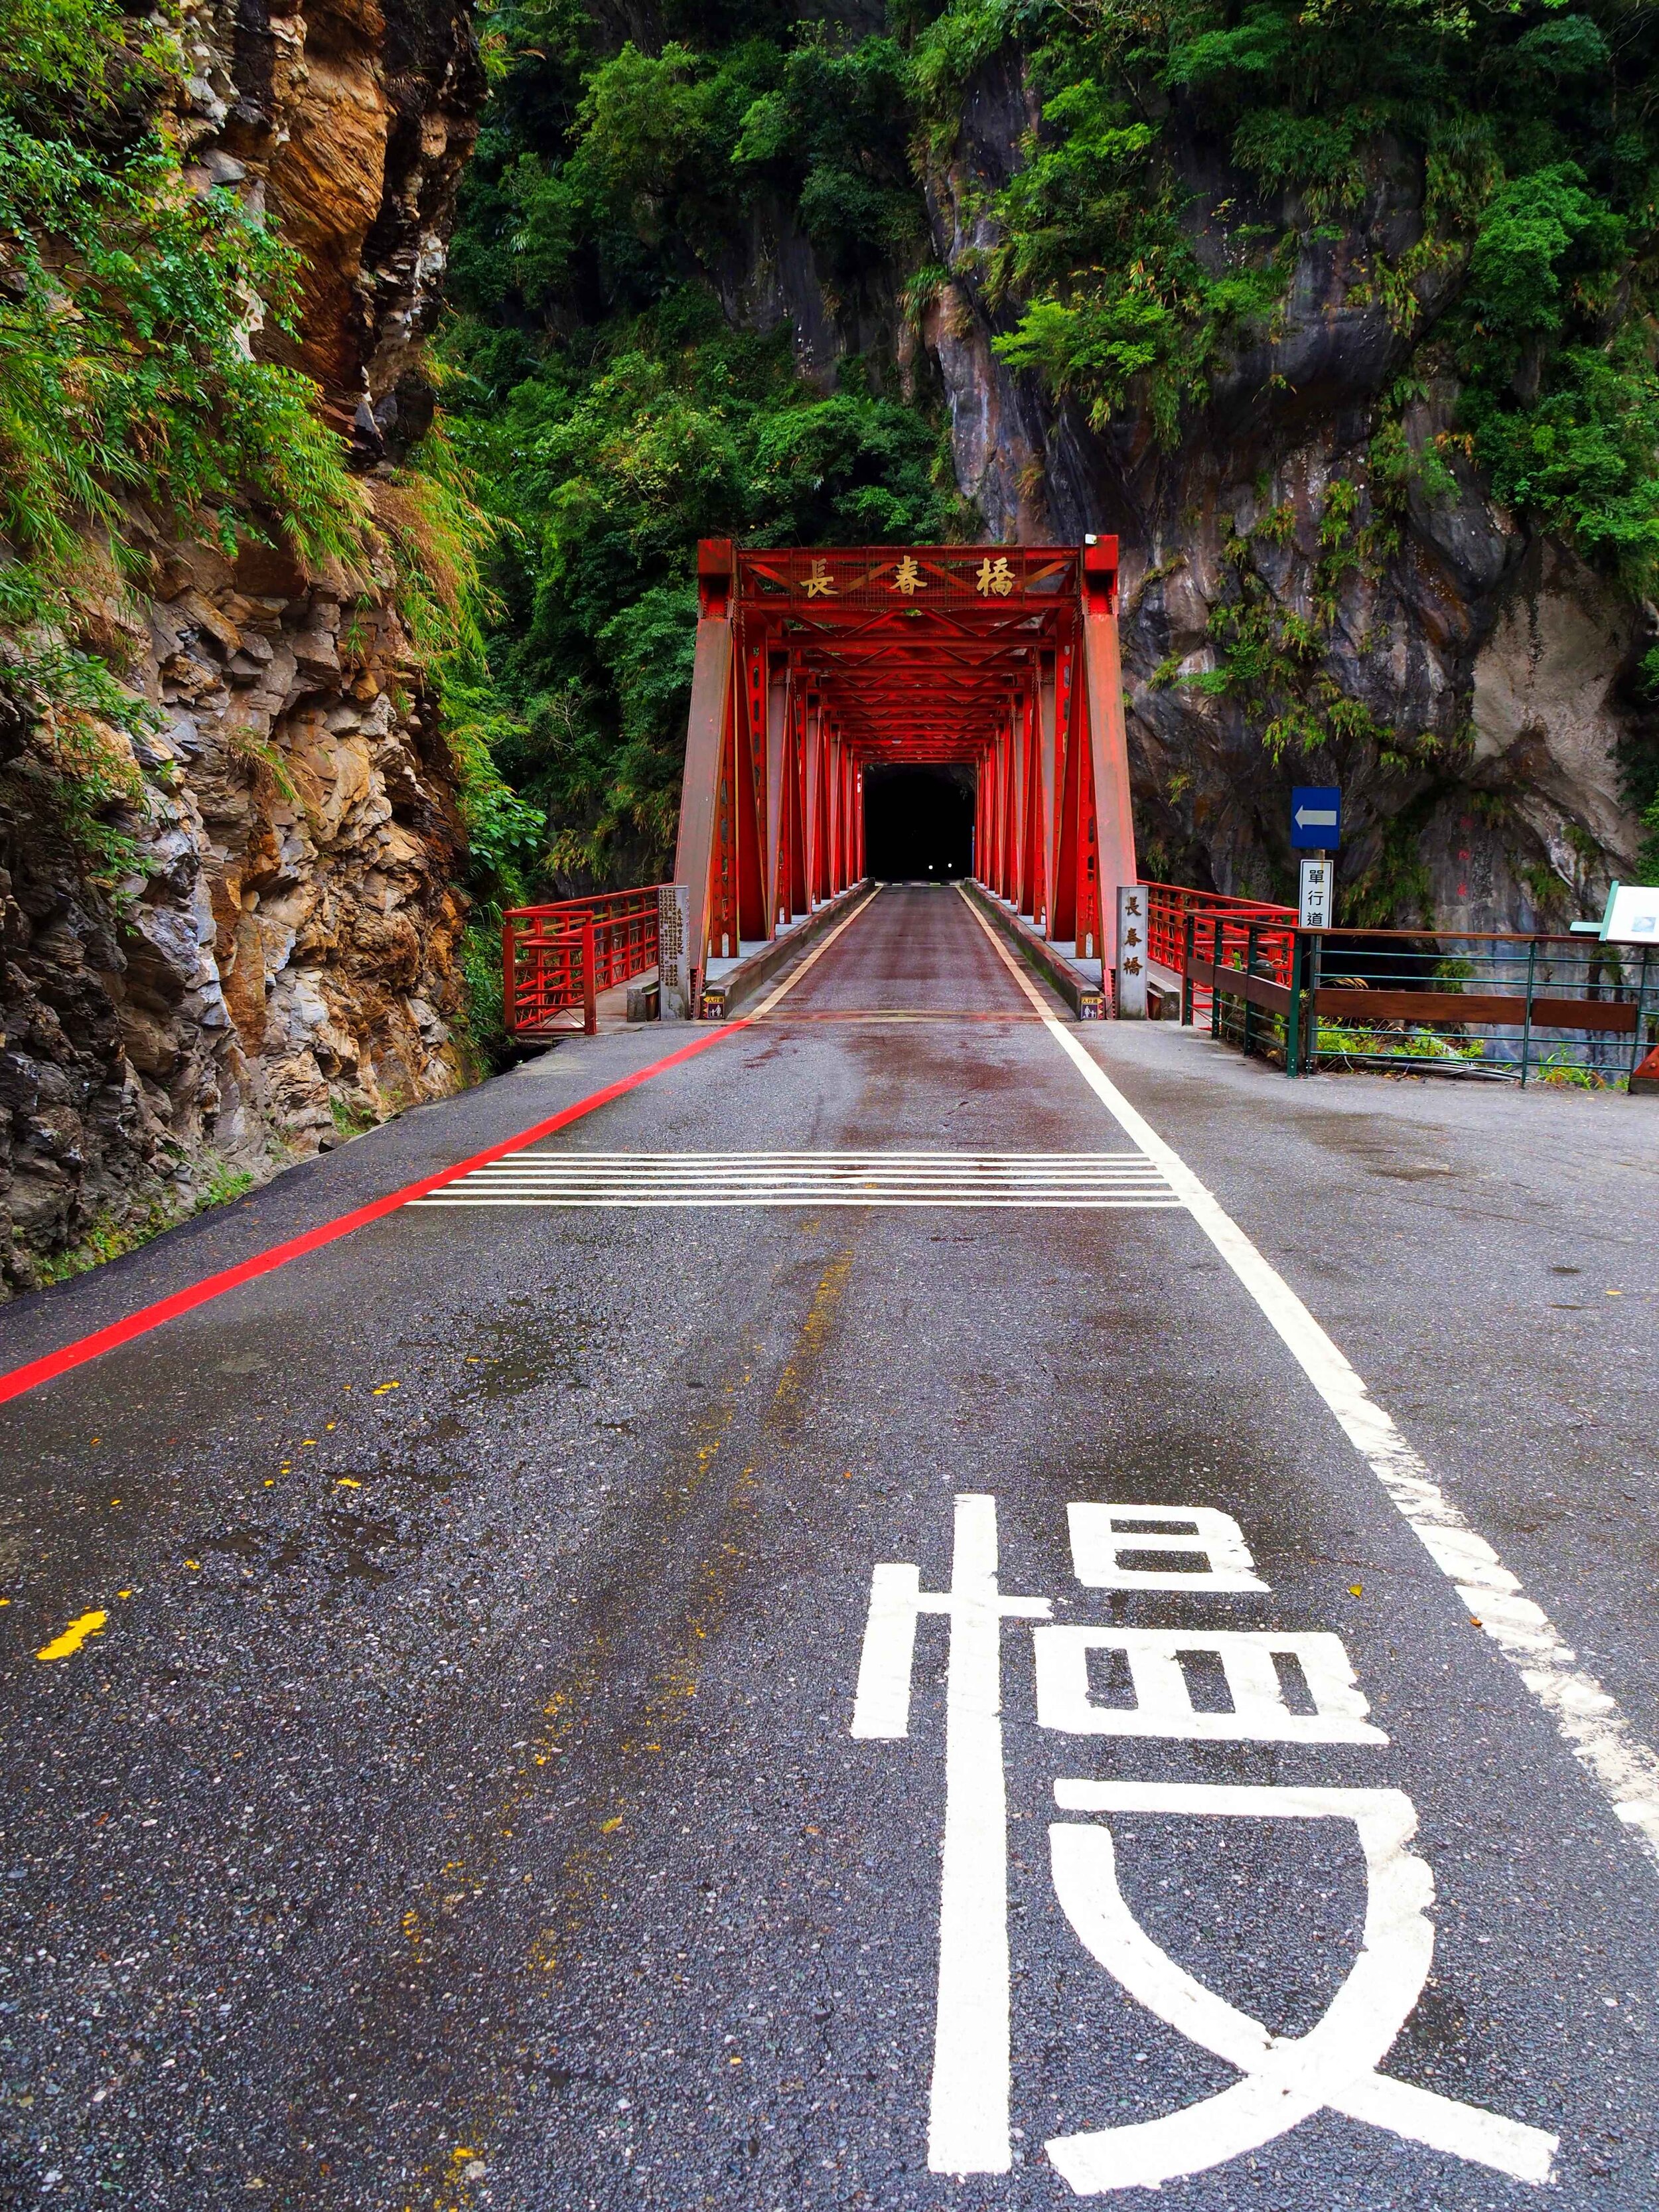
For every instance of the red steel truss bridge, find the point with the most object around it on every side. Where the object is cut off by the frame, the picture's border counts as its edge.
(813, 666)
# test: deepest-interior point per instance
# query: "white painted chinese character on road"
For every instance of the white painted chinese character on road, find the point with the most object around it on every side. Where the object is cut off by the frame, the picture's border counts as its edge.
(1283, 1688)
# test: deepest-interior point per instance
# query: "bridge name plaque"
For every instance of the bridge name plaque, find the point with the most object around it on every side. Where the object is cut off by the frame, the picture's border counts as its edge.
(674, 934)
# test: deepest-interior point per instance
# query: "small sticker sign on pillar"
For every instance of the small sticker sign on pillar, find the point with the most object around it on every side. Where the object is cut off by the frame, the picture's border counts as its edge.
(1129, 987)
(674, 952)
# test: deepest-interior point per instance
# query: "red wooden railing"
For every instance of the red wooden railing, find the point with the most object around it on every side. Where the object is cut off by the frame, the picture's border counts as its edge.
(1168, 906)
(1221, 931)
(557, 959)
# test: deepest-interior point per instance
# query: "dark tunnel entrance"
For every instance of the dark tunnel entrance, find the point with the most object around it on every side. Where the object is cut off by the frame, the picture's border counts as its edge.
(918, 823)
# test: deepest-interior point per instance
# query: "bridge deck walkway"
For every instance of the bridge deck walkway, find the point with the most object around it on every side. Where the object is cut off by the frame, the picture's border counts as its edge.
(461, 1793)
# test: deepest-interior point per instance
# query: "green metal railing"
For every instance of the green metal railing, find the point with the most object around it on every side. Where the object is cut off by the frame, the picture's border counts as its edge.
(1500, 1008)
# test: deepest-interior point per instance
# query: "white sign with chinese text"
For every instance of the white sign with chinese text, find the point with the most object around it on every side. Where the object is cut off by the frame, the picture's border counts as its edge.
(1318, 889)
(1130, 996)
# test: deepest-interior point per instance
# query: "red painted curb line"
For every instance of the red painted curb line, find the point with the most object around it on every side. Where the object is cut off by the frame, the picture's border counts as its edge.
(33, 1372)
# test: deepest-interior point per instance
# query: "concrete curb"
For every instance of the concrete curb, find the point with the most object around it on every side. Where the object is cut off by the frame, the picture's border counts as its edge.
(721, 1000)
(1080, 992)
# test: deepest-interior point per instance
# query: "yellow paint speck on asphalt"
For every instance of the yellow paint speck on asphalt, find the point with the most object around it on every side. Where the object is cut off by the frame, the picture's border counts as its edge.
(346, 1482)
(380, 1388)
(66, 1645)
(118, 1594)
(1355, 1590)
(608, 1827)
(195, 1566)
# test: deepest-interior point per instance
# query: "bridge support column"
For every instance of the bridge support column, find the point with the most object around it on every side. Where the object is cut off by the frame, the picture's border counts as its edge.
(1045, 783)
(695, 854)
(1109, 751)
(775, 871)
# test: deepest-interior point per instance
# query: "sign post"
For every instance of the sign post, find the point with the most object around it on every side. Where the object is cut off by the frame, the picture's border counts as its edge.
(1315, 833)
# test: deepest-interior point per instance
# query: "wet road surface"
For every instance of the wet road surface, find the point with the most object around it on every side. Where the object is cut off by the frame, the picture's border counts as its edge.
(493, 1784)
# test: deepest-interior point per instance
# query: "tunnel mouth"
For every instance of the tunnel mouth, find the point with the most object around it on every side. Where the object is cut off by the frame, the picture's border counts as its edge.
(919, 823)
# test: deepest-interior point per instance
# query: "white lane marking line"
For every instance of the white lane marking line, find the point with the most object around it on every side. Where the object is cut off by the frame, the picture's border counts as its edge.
(1287, 2078)
(811, 961)
(1590, 1721)
(818, 1200)
(1088, 1180)
(691, 1162)
(908, 1178)
(968, 2105)
(912, 1163)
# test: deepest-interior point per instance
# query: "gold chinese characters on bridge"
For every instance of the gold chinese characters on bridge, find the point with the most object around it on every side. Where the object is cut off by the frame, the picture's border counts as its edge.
(993, 579)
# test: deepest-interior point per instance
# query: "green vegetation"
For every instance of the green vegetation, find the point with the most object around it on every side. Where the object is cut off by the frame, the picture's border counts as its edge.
(612, 413)
(610, 395)
(621, 378)
(126, 378)
(1532, 281)
(1525, 132)
(124, 365)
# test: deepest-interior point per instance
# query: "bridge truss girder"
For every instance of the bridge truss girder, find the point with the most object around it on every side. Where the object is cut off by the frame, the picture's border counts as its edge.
(813, 667)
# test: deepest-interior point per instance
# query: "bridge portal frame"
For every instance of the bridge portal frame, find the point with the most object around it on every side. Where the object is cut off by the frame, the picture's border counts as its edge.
(814, 665)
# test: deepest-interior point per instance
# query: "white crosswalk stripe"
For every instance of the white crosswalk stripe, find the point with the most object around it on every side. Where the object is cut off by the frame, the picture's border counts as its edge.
(1085, 1180)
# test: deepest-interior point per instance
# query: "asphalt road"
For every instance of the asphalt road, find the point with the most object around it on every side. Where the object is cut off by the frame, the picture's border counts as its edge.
(460, 1805)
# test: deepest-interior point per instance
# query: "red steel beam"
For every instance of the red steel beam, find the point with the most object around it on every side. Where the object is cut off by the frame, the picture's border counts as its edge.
(813, 666)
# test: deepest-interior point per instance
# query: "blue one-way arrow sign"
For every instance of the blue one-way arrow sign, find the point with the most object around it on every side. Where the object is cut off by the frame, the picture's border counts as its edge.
(1317, 816)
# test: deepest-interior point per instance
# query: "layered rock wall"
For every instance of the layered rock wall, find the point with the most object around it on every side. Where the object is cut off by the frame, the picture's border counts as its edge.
(1495, 670)
(282, 966)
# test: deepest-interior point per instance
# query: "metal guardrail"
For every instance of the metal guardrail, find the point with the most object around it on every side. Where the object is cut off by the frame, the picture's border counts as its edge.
(1502, 1006)
(556, 959)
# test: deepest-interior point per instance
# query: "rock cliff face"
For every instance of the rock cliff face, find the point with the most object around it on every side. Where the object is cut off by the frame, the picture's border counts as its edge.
(1498, 665)
(1495, 670)
(283, 967)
